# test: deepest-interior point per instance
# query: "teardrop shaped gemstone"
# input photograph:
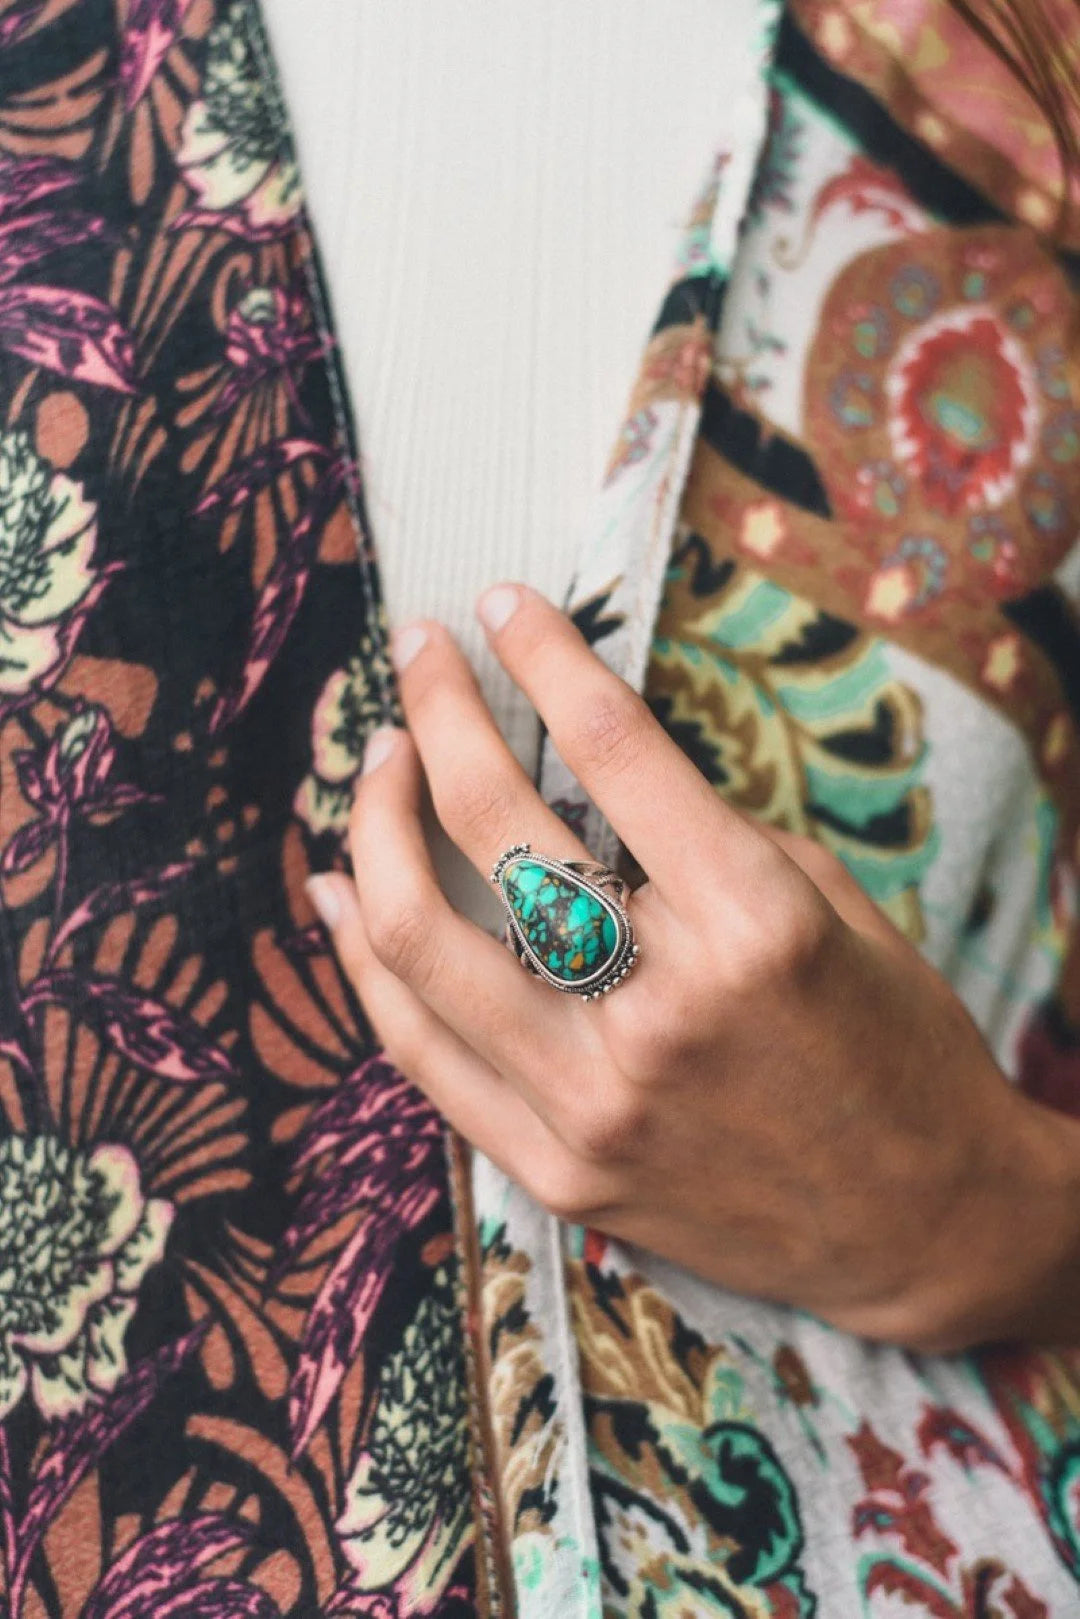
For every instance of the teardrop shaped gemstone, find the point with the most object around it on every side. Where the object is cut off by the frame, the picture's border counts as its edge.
(568, 928)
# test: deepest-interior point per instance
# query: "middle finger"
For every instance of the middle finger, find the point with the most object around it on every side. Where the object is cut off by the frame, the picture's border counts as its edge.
(481, 794)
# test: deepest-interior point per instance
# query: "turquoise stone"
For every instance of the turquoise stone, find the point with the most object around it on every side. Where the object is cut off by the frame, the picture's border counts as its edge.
(572, 932)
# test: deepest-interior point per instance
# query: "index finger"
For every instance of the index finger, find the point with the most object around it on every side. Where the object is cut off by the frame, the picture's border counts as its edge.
(670, 818)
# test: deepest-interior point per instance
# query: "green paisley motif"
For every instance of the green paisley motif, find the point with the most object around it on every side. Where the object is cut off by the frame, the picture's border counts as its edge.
(796, 718)
(695, 1511)
(740, 1474)
(1062, 1493)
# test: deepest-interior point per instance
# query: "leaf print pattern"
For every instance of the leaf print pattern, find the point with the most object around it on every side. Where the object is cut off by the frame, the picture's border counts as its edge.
(75, 1447)
(225, 1224)
(372, 1151)
(283, 592)
(167, 1569)
(59, 328)
(75, 778)
(915, 1559)
(151, 31)
(793, 715)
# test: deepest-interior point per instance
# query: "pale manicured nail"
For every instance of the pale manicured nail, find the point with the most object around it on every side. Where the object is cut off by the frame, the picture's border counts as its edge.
(497, 606)
(380, 745)
(323, 894)
(405, 644)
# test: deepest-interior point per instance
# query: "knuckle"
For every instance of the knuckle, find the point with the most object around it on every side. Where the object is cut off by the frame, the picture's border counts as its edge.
(612, 1131)
(824, 868)
(648, 1037)
(640, 1047)
(400, 938)
(564, 1191)
(790, 950)
(803, 941)
(612, 732)
(477, 806)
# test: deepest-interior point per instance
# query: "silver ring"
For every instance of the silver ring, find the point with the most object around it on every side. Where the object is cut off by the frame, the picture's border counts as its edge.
(566, 920)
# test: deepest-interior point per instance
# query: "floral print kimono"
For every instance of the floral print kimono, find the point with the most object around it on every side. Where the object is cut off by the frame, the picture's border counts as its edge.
(272, 1344)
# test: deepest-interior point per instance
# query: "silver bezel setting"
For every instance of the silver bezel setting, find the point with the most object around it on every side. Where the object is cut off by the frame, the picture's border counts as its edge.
(606, 886)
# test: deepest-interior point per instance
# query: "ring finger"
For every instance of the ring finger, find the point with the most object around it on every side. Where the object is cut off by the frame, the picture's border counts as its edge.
(467, 978)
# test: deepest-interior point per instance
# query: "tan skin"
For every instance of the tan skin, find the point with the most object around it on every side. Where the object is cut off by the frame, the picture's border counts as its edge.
(782, 1097)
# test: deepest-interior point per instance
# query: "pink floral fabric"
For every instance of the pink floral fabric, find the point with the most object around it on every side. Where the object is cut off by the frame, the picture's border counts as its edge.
(232, 1374)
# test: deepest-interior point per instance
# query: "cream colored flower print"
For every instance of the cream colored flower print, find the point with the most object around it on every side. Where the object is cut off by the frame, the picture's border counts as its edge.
(234, 153)
(48, 532)
(76, 1239)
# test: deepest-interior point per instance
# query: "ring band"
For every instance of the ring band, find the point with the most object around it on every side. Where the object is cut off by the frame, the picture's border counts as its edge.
(567, 920)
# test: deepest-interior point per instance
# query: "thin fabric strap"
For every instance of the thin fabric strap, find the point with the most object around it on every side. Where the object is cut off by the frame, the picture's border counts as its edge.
(543, 1484)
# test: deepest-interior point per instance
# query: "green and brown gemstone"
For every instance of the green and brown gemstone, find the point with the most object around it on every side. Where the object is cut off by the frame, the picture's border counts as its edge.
(565, 925)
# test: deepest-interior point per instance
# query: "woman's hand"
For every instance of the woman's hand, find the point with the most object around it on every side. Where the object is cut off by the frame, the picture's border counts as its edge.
(782, 1097)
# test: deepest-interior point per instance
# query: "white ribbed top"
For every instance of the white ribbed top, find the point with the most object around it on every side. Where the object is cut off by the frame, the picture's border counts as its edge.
(498, 190)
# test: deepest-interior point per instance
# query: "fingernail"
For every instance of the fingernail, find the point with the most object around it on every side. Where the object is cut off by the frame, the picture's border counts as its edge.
(405, 644)
(323, 894)
(497, 606)
(380, 745)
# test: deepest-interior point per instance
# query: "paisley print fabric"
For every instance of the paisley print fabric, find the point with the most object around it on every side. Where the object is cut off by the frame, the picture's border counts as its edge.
(869, 634)
(793, 714)
(938, 83)
(693, 1505)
